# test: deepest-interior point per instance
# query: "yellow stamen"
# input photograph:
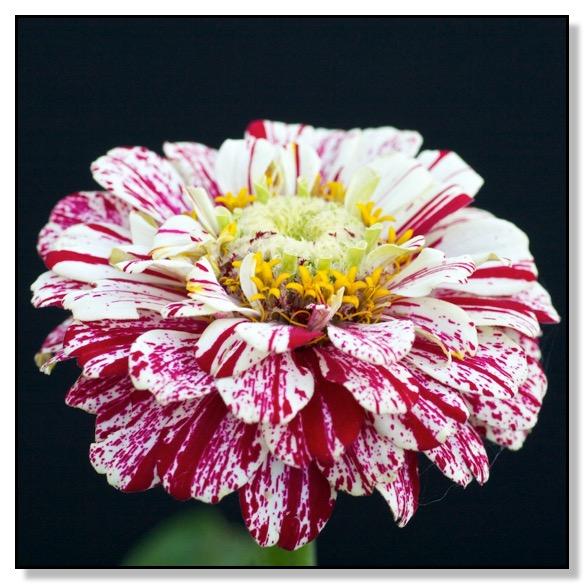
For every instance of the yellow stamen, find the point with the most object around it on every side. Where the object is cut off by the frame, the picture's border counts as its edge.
(192, 214)
(333, 192)
(405, 237)
(371, 217)
(243, 199)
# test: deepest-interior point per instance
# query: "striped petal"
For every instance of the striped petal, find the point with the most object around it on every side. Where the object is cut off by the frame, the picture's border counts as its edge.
(172, 272)
(401, 181)
(51, 351)
(444, 323)
(494, 311)
(383, 343)
(511, 439)
(102, 347)
(339, 149)
(346, 152)
(430, 270)
(273, 391)
(298, 161)
(518, 413)
(163, 362)
(82, 252)
(322, 429)
(462, 457)
(432, 206)
(483, 238)
(222, 353)
(144, 180)
(118, 299)
(281, 133)
(241, 163)
(403, 493)
(96, 395)
(82, 207)
(207, 295)
(271, 337)
(497, 369)
(115, 413)
(286, 506)
(447, 167)
(196, 164)
(369, 460)
(179, 236)
(49, 289)
(379, 389)
(489, 280)
(128, 455)
(207, 453)
(430, 421)
(538, 300)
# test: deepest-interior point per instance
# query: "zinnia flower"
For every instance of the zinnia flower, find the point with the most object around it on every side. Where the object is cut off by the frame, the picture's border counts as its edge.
(300, 312)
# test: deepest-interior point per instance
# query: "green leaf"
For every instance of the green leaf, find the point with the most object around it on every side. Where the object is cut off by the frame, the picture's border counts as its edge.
(205, 538)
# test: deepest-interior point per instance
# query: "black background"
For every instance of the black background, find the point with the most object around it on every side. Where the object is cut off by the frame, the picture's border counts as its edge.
(494, 90)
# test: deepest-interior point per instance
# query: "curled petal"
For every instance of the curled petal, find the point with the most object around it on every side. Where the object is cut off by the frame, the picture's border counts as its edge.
(179, 235)
(299, 161)
(51, 351)
(482, 238)
(207, 296)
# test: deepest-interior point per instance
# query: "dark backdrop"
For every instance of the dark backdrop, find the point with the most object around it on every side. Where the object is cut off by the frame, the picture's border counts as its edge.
(493, 90)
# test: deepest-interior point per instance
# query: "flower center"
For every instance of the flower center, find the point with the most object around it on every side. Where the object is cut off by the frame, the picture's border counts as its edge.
(315, 231)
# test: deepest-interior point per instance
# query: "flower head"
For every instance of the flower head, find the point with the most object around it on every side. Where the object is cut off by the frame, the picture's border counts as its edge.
(301, 312)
